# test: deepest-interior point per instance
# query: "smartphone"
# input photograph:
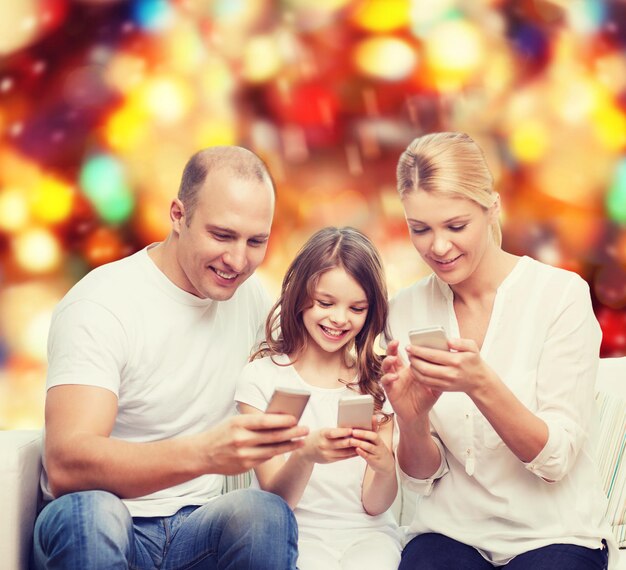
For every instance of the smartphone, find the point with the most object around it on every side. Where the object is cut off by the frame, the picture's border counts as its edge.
(356, 411)
(430, 337)
(288, 401)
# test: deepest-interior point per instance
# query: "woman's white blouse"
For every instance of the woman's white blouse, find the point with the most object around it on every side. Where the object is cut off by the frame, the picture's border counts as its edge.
(543, 342)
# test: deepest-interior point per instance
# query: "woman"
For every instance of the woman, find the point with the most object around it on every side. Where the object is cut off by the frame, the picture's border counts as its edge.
(494, 433)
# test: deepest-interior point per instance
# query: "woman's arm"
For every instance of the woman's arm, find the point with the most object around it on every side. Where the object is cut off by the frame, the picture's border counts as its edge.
(548, 439)
(380, 484)
(465, 371)
(418, 455)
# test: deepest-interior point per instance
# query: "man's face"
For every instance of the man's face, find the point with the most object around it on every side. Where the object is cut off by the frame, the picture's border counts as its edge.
(226, 238)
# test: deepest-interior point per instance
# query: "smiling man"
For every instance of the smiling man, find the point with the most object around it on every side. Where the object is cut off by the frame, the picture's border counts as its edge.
(143, 358)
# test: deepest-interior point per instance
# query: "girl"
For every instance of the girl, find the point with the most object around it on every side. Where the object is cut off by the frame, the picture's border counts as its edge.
(494, 434)
(320, 337)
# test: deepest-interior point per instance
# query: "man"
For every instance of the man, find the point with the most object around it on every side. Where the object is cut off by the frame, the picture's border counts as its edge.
(143, 356)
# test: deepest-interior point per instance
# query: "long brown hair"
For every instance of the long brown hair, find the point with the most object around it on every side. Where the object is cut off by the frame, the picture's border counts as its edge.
(328, 248)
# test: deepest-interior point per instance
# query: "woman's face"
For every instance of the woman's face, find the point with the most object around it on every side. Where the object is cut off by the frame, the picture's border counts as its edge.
(451, 234)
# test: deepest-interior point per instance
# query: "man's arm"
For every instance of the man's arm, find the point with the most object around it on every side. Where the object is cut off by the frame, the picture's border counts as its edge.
(80, 455)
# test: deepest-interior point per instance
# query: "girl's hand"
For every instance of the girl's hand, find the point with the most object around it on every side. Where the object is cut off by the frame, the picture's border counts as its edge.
(370, 446)
(462, 370)
(328, 445)
(408, 397)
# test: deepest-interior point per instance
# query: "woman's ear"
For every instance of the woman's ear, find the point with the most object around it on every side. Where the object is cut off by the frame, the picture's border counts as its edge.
(494, 209)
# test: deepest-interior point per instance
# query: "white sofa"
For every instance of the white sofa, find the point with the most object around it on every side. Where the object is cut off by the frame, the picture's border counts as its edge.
(20, 466)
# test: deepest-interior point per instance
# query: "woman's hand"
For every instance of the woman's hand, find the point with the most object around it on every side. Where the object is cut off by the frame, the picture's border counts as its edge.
(460, 370)
(370, 446)
(328, 445)
(408, 397)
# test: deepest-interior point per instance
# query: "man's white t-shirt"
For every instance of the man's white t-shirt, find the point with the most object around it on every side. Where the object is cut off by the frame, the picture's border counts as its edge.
(543, 342)
(171, 358)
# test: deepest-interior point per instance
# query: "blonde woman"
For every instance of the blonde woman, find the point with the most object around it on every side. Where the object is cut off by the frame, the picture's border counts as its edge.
(494, 432)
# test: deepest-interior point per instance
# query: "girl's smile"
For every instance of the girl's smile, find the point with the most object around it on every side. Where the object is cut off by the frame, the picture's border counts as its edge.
(338, 311)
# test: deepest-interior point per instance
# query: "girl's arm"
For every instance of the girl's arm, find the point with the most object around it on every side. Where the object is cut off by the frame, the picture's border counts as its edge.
(380, 484)
(289, 477)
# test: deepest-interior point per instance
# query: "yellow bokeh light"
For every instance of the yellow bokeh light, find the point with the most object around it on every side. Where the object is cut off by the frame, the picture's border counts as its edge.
(127, 127)
(609, 124)
(584, 100)
(14, 211)
(611, 72)
(125, 72)
(167, 99)
(573, 95)
(184, 47)
(529, 141)
(262, 59)
(36, 250)
(150, 222)
(576, 171)
(382, 15)
(36, 334)
(51, 200)
(425, 13)
(216, 132)
(19, 25)
(386, 58)
(25, 312)
(499, 72)
(216, 79)
(454, 51)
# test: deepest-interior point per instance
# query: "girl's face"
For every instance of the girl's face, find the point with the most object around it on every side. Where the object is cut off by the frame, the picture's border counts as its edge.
(451, 234)
(338, 312)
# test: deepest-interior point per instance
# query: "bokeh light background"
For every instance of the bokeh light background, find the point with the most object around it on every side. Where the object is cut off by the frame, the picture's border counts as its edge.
(103, 101)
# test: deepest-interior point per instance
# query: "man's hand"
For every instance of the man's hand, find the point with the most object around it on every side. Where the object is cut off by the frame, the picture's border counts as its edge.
(244, 441)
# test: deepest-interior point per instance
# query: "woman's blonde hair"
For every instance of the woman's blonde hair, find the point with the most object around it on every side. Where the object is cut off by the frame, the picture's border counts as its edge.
(449, 164)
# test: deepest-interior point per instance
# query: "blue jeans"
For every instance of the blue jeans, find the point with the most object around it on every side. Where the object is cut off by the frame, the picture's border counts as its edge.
(433, 551)
(93, 529)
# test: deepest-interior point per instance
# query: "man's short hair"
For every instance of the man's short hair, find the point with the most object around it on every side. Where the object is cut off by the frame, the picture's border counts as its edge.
(238, 161)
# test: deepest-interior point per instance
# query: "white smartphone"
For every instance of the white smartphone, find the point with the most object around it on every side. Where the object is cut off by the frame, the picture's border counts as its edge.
(430, 337)
(356, 411)
(288, 401)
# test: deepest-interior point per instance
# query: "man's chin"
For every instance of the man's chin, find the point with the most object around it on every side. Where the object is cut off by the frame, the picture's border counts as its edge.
(218, 294)
(221, 292)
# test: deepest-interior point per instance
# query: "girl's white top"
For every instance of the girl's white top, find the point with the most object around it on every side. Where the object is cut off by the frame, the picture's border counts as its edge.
(332, 498)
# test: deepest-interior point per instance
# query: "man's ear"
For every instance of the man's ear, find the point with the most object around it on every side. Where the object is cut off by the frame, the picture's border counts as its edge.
(177, 214)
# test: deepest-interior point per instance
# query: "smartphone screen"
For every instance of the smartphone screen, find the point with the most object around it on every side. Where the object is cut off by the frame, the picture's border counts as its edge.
(430, 337)
(356, 411)
(288, 401)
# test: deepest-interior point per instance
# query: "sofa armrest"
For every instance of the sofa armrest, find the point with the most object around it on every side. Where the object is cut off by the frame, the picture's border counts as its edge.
(20, 468)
